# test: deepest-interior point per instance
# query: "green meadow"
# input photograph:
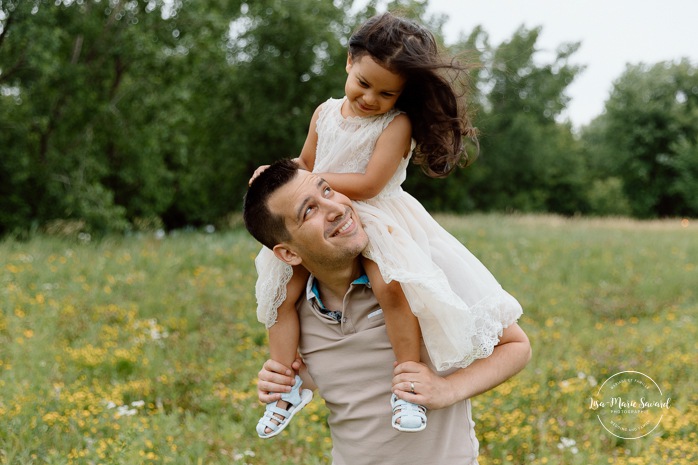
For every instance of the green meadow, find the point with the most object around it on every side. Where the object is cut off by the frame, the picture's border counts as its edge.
(145, 349)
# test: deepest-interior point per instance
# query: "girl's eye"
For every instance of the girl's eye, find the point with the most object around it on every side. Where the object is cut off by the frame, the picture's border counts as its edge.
(327, 190)
(363, 84)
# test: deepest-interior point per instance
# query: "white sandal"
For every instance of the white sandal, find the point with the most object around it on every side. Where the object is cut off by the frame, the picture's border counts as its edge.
(412, 417)
(276, 418)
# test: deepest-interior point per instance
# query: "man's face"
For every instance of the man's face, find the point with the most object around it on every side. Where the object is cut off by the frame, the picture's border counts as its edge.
(324, 228)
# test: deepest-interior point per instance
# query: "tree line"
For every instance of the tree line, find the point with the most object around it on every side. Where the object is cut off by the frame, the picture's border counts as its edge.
(125, 114)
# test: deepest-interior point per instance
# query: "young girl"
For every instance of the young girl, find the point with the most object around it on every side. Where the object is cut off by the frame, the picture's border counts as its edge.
(399, 101)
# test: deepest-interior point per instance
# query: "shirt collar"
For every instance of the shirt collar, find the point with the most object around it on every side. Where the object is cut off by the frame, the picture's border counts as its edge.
(312, 292)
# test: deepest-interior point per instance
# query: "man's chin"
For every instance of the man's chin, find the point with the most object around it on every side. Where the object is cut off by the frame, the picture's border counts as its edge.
(362, 246)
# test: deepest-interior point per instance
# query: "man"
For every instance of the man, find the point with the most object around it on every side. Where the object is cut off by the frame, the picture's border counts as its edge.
(349, 358)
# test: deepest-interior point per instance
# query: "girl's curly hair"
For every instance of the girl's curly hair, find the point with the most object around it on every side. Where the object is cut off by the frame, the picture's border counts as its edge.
(434, 93)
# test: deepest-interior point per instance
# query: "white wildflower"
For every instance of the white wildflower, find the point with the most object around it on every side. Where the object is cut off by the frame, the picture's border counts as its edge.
(124, 411)
(568, 443)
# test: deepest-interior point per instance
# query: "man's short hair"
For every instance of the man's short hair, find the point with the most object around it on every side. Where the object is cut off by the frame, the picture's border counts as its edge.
(265, 226)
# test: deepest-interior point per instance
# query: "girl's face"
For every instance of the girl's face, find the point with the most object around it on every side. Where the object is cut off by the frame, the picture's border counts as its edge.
(371, 89)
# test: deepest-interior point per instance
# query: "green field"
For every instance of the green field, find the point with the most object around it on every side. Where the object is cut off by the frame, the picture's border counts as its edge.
(145, 350)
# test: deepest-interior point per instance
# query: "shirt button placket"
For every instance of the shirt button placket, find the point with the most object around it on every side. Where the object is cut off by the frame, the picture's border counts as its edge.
(347, 326)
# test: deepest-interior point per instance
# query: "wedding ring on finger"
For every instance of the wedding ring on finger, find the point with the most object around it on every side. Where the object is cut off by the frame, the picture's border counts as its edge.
(412, 387)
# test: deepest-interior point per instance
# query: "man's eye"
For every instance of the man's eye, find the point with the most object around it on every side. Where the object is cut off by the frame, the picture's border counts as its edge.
(327, 191)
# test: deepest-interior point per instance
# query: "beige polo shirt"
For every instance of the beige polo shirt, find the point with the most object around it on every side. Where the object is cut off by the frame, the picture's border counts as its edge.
(350, 358)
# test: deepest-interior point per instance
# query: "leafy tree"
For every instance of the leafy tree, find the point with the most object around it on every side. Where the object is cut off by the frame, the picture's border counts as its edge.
(685, 165)
(604, 194)
(73, 68)
(265, 73)
(114, 111)
(128, 112)
(648, 132)
(530, 159)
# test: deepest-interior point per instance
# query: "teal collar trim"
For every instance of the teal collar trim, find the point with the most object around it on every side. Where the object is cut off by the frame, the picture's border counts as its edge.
(312, 291)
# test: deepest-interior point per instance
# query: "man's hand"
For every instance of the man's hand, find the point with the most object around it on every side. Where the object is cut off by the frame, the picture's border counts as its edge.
(430, 389)
(275, 379)
(509, 356)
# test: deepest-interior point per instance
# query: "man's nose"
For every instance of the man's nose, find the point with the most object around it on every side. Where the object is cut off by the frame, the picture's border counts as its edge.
(333, 210)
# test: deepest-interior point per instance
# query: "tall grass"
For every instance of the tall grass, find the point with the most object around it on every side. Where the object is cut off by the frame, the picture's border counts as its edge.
(145, 349)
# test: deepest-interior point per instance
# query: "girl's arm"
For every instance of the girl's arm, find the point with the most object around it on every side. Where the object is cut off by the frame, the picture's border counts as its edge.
(392, 146)
(307, 158)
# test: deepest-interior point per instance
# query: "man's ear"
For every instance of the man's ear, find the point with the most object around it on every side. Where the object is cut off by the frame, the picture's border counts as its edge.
(286, 255)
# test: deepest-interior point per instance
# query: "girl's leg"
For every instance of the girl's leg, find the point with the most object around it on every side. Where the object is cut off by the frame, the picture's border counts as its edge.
(400, 323)
(405, 337)
(284, 334)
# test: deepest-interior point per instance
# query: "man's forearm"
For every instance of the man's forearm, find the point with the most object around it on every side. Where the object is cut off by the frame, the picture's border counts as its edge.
(509, 357)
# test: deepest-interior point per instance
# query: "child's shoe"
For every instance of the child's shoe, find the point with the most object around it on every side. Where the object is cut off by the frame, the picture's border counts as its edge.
(275, 418)
(412, 417)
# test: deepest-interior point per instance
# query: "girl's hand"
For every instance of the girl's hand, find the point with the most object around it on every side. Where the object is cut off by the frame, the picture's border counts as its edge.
(256, 173)
(430, 389)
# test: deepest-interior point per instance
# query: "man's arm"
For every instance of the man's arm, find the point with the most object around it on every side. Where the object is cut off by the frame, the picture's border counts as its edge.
(509, 357)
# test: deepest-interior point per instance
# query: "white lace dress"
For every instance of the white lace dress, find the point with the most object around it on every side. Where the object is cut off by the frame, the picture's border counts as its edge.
(461, 307)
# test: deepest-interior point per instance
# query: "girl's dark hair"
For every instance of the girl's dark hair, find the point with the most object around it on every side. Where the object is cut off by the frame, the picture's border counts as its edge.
(431, 98)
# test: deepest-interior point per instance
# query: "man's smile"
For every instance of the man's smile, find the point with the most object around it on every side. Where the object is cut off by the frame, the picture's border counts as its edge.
(344, 227)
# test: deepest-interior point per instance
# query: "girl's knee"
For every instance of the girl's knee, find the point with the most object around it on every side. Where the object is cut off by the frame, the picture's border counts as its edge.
(390, 295)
